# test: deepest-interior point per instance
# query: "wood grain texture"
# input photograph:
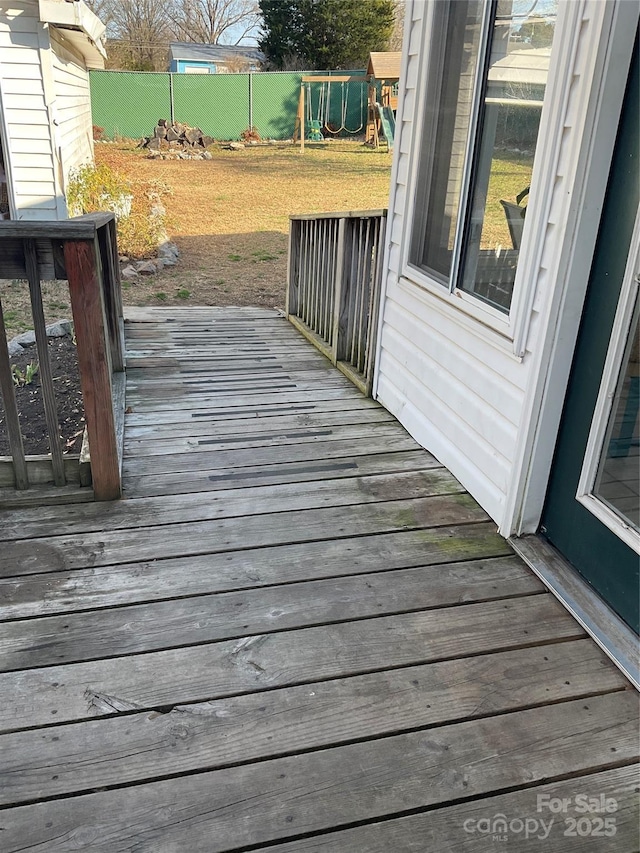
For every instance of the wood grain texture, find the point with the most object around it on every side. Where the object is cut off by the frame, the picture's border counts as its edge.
(443, 829)
(105, 586)
(230, 534)
(304, 636)
(81, 259)
(324, 789)
(98, 753)
(227, 503)
(262, 661)
(144, 627)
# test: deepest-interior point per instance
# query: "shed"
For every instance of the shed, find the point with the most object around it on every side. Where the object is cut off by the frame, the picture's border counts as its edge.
(46, 50)
(190, 58)
(509, 352)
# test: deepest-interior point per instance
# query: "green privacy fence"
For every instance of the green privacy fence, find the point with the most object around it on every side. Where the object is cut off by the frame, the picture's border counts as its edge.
(129, 104)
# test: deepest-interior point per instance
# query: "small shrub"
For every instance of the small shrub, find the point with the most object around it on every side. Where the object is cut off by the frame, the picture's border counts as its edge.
(161, 296)
(140, 216)
(98, 133)
(250, 135)
(183, 293)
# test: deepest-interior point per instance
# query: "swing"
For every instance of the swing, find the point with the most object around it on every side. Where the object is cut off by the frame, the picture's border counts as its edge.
(314, 126)
(344, 109)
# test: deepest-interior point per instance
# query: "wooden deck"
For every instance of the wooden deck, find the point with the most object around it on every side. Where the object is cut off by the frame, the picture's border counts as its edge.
(295, 633)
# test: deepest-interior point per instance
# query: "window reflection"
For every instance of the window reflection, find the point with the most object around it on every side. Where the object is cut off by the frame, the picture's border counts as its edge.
(518, 66)
(617, 481)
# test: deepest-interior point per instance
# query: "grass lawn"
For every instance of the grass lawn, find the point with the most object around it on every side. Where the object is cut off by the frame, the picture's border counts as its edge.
(229, 217)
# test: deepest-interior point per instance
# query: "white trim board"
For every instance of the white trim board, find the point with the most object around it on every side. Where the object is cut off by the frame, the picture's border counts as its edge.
(608, 630)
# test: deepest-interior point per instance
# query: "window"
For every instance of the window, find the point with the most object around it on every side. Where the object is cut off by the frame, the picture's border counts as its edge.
(485, 86)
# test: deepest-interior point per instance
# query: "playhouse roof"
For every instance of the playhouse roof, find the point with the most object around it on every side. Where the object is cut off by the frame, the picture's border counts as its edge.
(384, 65)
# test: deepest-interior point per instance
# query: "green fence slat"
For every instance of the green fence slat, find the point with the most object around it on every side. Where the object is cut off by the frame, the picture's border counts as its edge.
(216, 103)
(129, 103)
(275, 104)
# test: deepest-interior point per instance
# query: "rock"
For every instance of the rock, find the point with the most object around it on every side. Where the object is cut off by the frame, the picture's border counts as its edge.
(234, 146)
(123, 259)
(14, 348)
(206, 155)
(168, 250)
(172, 136)
(129, 272)
(59, 330)
(146, 268)
(26, 339)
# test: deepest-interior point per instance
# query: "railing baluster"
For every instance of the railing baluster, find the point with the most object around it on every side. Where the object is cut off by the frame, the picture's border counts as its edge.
(44, 368)
(334, 301)
(11, 411)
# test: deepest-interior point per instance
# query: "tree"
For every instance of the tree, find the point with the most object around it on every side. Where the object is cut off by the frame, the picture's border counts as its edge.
(209, 21)
(397, 34)
(324, 34)
(537, 33)
(138, 33)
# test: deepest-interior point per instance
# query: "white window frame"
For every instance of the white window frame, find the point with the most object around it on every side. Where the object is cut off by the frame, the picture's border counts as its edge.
(507, 330)
(604, 404)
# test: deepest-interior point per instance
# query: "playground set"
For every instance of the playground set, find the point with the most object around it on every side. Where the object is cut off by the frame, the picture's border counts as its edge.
(318, 118)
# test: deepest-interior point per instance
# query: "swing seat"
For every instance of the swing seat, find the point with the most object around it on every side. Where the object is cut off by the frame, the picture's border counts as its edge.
(314, 131)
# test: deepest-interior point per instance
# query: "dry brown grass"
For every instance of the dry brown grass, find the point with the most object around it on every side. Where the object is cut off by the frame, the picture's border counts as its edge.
(229, 216)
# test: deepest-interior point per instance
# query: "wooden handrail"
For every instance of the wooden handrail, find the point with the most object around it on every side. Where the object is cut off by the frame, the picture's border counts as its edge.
(83, 251)
(334, 280)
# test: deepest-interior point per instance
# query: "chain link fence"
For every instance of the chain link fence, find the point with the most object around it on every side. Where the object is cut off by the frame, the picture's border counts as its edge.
(129, 104)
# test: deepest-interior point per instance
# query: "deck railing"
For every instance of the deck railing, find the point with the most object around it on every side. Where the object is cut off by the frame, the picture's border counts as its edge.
(84, 252)
(333, 292)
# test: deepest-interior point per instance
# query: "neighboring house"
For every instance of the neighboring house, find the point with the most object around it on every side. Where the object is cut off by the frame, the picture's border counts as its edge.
(511, 352)
(188, 58)
(46, 49)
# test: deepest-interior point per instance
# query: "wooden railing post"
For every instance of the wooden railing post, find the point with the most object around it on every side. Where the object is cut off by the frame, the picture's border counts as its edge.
(94, 361)
(107, 241)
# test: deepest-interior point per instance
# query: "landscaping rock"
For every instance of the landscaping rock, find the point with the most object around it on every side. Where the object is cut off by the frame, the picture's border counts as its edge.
(129, 272)
(168, 250)
(146, 267)
(207, 155)
(59, 330)
(26, 339)
(14, 348)
(234, 146)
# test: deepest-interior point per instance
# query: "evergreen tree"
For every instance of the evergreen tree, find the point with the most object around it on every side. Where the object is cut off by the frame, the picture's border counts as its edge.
(324, 34)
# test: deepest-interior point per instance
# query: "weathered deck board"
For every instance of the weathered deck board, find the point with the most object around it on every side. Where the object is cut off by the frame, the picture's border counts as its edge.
(443, 829)
(205, 618)
(257, 662)
(227, 503)
(107, 586)
(296, 631)
(257, 803)
(97, 753)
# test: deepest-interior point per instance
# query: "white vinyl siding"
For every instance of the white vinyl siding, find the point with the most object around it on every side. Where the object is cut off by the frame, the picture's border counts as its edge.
(73, 106)
(29, 156)
(45, 108)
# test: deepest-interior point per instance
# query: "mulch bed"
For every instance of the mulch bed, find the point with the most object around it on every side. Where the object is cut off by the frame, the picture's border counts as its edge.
(66, 382)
